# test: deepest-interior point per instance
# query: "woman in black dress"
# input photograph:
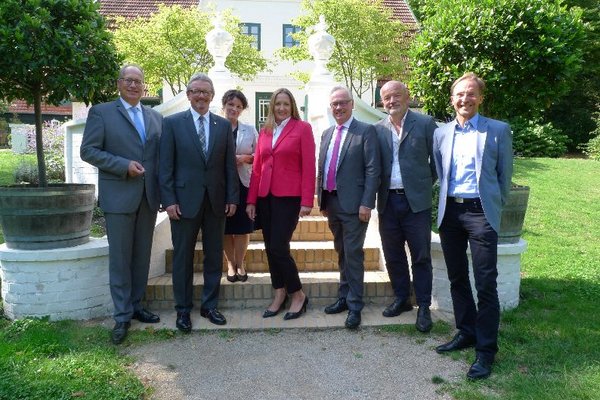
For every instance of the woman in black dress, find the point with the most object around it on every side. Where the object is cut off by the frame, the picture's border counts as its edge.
(238, 227)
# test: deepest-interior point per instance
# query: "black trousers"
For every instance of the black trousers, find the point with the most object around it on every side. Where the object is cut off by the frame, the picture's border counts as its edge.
(465, 224)
(279, 217)
(398, 226)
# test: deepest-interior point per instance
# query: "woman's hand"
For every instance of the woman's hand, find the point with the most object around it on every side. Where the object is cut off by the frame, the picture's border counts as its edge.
(304, 211)
(244, 159)
(251, 211)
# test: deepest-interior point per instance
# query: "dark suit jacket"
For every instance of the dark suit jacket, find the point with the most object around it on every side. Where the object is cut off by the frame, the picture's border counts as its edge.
(416, 160)
(185, 175)
(357, 177)
(493, 165)
(110, 142)
(288, 169)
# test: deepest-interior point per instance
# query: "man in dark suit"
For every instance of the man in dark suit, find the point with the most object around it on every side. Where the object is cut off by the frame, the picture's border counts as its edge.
(347, 182)
(198, 188)
(404, 200)
(121, 139)
(473, 157)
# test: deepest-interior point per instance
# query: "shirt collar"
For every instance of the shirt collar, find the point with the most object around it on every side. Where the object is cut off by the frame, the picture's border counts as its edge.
(128, 106)
(196, 114)
(347, 123)
(473, 122)
(283, 123)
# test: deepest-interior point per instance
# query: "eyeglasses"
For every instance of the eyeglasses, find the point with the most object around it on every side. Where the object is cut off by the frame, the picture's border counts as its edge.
(341, 103)
(129, 81)
(200, 92)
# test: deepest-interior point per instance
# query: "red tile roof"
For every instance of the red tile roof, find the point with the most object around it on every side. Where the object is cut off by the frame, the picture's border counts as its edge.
(401, 11)
(138, 8)
(21, 107)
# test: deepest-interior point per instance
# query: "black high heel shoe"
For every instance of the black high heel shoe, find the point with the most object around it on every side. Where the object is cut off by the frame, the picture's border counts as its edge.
(294, 315)
(233, 278)
(268, 313)
(240, 277)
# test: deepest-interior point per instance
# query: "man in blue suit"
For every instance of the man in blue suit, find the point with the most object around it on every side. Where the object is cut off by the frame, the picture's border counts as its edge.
(121, 139)
(473, 158)
(198, 189)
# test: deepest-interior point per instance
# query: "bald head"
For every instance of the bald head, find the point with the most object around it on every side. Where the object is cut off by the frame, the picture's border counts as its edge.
(396, 98)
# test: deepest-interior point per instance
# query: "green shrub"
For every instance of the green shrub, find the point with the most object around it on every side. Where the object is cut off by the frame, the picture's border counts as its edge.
(54, 145)
(533, 138)
(592, 148)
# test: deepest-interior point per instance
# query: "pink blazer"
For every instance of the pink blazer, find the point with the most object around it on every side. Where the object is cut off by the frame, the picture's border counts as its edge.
(288, 169)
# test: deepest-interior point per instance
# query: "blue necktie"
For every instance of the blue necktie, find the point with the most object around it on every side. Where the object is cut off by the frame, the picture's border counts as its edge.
(202, 134)
(138, 124)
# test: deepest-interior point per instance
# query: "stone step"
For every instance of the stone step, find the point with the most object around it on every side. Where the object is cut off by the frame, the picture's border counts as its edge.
(257, 292)
(309, 256)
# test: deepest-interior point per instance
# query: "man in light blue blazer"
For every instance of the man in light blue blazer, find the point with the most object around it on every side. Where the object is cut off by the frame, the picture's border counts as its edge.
(473, 157)
(121, 139)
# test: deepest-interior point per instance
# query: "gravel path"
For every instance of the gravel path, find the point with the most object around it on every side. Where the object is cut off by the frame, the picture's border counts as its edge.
(295, 364)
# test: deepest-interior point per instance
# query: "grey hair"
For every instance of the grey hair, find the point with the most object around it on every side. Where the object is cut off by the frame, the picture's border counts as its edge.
(126, 66)
(201, 77)
(340, 87)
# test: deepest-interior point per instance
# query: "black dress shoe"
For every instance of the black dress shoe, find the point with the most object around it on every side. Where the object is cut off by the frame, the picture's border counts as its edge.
(146, 316)
(458, 342)
(480, 369)
(424, 323)
(268, 313)
(337, 307)
(294, 315)
(213, 316)
(352, 320)
(184, 323)
(397, 308)
(119, 332)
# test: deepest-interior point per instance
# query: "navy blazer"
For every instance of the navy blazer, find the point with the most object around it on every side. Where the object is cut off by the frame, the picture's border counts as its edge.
(185, 174)
(493, 165)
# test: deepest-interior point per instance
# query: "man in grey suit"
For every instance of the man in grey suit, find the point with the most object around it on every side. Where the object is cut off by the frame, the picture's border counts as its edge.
(198, 188)
(404, 200)
(121, 139)
(347, 182)
(473, 157)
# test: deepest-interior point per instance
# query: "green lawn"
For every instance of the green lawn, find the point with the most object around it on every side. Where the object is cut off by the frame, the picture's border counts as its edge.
(549, 345)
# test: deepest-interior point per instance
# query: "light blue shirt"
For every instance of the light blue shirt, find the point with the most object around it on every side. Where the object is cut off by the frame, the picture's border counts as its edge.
(129, 107)
(463, 176)
(206, 123)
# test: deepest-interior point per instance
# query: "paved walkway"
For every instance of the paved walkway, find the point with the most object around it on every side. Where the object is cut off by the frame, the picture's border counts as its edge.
(316, 358)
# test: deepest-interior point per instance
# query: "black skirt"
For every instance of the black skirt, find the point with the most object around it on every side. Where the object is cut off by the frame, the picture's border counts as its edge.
(239, 223)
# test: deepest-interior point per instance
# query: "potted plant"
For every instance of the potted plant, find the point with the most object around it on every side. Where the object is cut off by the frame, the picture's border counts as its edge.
(52, 51)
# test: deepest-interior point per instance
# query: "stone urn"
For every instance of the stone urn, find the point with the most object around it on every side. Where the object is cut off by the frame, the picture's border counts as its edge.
(513, 215)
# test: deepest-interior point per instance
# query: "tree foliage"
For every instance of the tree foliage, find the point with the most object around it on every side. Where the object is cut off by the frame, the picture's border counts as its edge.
(369, 44)
(528, 51)
(171, 46)
(53, 50)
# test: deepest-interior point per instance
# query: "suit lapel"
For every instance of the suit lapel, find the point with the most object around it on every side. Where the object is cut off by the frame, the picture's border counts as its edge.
(482, 127)
(349, 136)
(447, 150)
(409, 123)
(212, 134)
(325, 140)
(286, 131)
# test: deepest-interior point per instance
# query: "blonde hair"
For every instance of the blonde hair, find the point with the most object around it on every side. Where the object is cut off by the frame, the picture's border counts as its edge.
(469, 76)
(270, 122)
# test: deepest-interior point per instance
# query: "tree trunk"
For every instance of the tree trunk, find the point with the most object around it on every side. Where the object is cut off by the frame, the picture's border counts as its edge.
(39, 143)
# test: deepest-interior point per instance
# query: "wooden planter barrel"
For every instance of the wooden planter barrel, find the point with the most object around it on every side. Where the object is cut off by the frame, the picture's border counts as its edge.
(34, 218)
(513, 215)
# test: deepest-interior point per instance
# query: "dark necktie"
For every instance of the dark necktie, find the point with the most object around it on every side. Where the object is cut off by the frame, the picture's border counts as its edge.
(330, 183)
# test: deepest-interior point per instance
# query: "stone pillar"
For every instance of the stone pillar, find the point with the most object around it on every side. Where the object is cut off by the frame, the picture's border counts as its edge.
(219, 43)
(66, 283)
(509, 275)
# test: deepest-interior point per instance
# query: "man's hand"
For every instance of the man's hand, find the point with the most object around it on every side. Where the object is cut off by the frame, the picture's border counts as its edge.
(173, 211)
(364, 213)
(251, 211)
(135, 169)
(230, 209)
(304, 211)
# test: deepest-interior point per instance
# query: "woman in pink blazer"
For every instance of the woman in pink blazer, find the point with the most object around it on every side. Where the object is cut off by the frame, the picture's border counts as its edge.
(282, 187)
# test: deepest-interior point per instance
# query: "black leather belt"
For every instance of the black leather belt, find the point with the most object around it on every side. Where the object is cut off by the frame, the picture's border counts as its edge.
(396, 191)
(464, 200)
(330, 193)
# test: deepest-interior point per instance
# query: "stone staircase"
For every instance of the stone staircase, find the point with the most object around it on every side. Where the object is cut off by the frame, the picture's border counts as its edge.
(312, 248)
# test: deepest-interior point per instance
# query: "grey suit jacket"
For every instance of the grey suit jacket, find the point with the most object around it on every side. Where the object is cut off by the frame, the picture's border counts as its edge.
(493, 165)
(245, 144)
(416, 160)
(357, 177)
(185, 174)
(110, 142)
